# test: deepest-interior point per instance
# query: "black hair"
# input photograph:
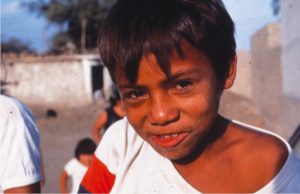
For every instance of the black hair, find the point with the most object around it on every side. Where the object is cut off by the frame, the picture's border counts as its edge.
(85, 146)
(134, 28)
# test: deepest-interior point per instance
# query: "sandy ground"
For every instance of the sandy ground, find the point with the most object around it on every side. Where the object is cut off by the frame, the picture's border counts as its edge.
(60, 135)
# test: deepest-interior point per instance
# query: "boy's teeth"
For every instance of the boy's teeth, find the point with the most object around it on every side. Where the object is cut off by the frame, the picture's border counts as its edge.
(168, 136)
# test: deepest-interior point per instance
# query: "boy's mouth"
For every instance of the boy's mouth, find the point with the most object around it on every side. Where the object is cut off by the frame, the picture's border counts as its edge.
(169, 140)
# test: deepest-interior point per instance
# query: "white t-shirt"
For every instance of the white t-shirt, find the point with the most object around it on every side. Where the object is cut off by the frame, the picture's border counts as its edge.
(125, 163)
(76, 171)
(19, 145)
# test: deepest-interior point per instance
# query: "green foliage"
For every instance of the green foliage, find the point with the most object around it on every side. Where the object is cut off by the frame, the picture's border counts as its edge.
(72, 14)
(15, 45)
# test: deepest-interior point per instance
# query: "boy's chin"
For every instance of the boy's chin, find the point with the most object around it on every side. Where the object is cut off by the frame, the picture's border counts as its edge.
(174, 156)
(181, 156)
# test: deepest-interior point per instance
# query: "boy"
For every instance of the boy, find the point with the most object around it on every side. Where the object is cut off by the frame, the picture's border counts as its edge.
(171, 60)
(77, 166)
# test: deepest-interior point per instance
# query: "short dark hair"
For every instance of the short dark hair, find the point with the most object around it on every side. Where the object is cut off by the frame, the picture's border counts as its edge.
(85, 146)
(134, 28)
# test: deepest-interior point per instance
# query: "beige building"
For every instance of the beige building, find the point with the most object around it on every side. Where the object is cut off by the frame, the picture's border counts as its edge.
(276, 70)
(54, 82)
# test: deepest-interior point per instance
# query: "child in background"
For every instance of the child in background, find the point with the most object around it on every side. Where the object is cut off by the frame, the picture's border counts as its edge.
(112, 114)
(171, 61)
(77, 166)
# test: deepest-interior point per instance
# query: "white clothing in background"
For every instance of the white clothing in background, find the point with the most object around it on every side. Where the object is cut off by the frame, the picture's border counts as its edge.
(19, 145)
(76, 171)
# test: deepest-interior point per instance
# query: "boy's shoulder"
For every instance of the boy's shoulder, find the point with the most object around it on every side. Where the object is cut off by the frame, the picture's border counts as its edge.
(259, 153)
(257, 140)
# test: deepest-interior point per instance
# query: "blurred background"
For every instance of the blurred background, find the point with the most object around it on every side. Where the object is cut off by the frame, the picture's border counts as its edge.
(49, 61)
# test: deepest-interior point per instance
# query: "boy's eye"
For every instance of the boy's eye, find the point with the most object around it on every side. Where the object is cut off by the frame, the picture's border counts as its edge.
(184, 84)
(134, 96)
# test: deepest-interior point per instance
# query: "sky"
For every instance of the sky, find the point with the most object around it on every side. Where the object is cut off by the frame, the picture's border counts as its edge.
(248, 15)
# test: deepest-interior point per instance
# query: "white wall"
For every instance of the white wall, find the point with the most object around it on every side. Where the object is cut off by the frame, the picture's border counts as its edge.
(56, 84)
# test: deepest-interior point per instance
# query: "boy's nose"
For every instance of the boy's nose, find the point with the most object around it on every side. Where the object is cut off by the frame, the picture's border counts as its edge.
(162, 111)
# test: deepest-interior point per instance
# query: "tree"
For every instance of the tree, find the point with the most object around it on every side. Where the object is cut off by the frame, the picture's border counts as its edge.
(15, 45)
(81, 17)
(61, 43)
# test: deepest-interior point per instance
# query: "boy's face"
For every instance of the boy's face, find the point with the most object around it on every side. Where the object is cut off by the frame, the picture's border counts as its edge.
(173, 114)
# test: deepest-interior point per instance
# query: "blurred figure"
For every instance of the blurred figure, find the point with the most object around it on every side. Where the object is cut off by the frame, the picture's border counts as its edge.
(20, 163)
(108, 85)
(112, 114)
(76, 167)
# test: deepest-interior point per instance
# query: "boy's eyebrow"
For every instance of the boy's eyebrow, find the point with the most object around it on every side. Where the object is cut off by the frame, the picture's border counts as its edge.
(175, 76)
(182, 73)
(127, 86)
(166, 81)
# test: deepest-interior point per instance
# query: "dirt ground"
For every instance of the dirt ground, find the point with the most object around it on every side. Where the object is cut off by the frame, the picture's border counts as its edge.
(60, 135)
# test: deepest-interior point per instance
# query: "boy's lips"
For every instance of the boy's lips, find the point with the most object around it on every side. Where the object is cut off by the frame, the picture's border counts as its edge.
(169, 140)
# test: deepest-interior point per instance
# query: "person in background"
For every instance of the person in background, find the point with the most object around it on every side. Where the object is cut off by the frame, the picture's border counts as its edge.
(111, 114)
(76, 167)
(20, 158)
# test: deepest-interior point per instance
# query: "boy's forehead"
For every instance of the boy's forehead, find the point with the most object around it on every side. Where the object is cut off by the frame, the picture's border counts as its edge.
(189, 53)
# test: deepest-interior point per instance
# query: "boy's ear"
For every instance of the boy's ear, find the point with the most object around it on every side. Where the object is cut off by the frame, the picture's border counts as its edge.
(231, 74)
